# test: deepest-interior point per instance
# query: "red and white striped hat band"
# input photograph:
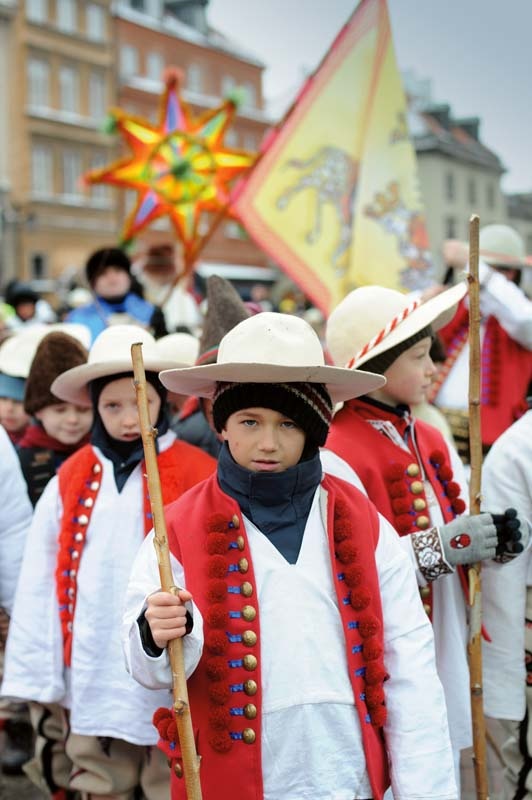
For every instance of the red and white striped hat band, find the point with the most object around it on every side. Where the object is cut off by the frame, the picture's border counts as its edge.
(382, 334)
(371, 320)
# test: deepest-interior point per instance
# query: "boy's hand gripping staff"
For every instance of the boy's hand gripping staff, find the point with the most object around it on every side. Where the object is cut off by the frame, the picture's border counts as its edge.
(474, 649)
(191, 761)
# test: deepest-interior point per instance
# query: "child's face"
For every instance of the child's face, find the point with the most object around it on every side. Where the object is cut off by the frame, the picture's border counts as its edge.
(112, 282)
(65, 422)
(409, 377)
(12, 415)
(117, 406)
(263, 440)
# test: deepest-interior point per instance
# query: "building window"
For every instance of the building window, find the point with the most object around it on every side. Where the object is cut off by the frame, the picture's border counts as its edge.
(231, 138)
(38, 266)
(450, 228)
(71, 173)
(38, 83)
(490, 195)
(129, 61)
(154, 66)
(66, 15)
(99, 191)
(95, 22)
(250, 142)
(250, 95)
(69, 89)
(138, 5)
(37, 10)
(97, 95)
(449, 186)
(194, 78)
(228, 84)
(472, 191)
(42, 169)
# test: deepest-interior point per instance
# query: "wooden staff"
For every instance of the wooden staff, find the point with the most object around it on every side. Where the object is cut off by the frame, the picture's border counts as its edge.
(474, 645)
(191, 761)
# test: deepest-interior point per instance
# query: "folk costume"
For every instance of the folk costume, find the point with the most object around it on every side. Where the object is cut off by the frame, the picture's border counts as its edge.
(305, 672)
(409, 471)
(506, 331)
(64, 645)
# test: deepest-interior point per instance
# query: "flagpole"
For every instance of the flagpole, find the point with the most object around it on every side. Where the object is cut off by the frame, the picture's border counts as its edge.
(474, 646)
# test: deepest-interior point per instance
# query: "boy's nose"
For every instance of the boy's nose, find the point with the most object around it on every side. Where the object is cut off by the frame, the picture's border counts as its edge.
(268, 440)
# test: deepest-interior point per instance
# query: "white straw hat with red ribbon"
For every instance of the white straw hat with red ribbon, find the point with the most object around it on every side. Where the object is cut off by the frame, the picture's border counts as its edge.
(373, 319)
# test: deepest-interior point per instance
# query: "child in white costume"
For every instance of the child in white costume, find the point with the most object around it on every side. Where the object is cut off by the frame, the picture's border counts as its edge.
(288, 655)
(64, 645)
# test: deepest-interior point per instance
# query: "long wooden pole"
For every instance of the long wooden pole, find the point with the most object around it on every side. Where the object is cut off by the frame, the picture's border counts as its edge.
(474, 646)
(191, 761)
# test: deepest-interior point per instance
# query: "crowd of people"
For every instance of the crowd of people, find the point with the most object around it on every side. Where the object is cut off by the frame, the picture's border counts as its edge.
(314, 475)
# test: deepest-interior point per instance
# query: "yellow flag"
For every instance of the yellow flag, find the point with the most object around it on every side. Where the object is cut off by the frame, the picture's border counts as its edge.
(334, 198)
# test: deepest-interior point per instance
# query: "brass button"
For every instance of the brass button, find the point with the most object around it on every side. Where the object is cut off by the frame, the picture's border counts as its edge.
(250, 711)
(243, 565)
(249, 613)
(178, 769)
(424, 591)
(240, 543)
(423, 522)
(426, 608)
(419, 504)
(250, 662)
(236, 522)
(412, 470)
(246, 589)
(416, 487)
(248, 735)
(249, 638)
(250, 687)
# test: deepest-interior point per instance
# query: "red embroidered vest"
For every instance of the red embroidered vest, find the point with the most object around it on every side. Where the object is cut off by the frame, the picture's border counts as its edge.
(181, 466)
(207, 535)
(506, 372)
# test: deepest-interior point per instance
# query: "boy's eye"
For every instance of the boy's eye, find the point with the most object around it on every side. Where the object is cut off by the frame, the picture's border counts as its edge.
(287, 423)
(249, 423)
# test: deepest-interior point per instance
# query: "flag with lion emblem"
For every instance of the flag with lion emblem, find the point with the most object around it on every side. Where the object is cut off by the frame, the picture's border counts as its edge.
(334, 198)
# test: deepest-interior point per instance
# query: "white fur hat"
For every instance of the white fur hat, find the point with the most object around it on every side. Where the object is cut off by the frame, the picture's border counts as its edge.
(271, 348)
(373, 319)
(110, 354)
(17, 352)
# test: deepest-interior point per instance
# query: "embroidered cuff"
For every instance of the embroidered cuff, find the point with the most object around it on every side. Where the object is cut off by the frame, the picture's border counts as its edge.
(428, 551)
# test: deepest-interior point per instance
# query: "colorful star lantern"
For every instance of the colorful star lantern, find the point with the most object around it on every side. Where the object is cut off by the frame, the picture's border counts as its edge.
(180, 168)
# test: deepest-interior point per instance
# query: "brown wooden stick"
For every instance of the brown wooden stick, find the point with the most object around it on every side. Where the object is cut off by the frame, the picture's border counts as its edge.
(474, 646)
(191, 761)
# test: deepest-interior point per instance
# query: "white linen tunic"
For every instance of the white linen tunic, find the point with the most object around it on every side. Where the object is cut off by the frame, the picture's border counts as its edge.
(311, 735)
(103, 698)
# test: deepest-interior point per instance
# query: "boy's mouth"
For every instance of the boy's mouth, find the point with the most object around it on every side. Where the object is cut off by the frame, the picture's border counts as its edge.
(266, 466)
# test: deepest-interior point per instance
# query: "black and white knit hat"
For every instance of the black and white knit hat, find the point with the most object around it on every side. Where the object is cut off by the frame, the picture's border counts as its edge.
(307, 404)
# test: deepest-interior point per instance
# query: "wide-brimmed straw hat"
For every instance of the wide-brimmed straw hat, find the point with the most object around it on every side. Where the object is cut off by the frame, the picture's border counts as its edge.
(502, 246)
(373, 319)
(271, 348)
(180, 348)
(110, 354)
(17, 352)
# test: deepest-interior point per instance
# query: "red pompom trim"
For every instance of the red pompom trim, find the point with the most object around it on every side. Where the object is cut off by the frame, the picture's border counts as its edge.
(216, 616)
(221, 742)
(374, 696)
(397, 489)
(341, 509)
(217, 567)
(368, 625)
(403, 523)
(353, 576)
(445, 473)
(216, 591)
(375, 673)
(219, 693)
(342, 530)
(219, 719)
(452, 490)
(458, 505)
(161, 713)
(394, 473)
(401, 505)
(217, 544)
(216, 642)
(216, 668)
(378, 716)
(217, 522)
(162, 728)
(437, 457)
(372, 649)
(171, 732)
(360, 599)
(346, 552)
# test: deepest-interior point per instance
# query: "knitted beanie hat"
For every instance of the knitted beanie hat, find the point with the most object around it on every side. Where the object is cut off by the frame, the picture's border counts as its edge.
(107, 257)
(225, 309)
(383, 361)
(56, 353)
(307, 404)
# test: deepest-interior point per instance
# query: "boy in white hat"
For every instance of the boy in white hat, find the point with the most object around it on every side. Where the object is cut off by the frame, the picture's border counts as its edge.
(310, 659)
(410, 472)
(64, 644)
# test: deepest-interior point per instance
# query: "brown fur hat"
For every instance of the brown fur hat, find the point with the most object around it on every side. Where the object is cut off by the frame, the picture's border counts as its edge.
(225, 309)
(56, 353)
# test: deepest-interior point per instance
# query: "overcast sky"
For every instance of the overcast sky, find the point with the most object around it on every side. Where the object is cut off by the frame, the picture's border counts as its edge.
(477, 53)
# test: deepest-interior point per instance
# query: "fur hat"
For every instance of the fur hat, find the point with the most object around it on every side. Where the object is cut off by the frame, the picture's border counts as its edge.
(110, 354)
(271, 348)
(56, 353)
(373, 319)
(106, 257)
(225, 309)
